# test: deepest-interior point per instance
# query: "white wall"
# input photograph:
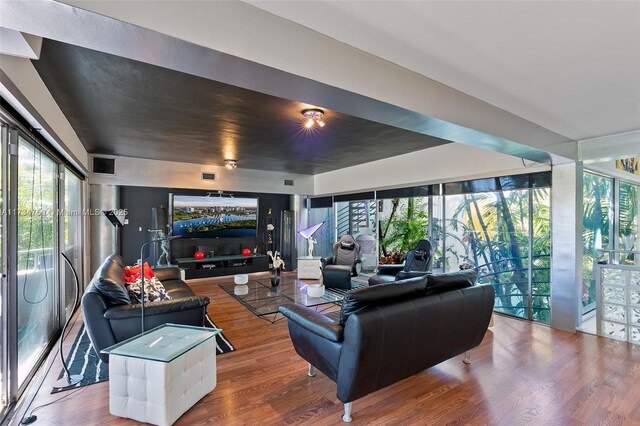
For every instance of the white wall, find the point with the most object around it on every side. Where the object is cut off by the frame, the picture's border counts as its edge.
(445, 163)
(171, 174)
(29, 86)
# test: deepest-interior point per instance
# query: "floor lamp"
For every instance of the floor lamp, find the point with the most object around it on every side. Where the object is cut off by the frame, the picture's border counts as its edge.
(307, 233)
(69, 379)
(142, 294)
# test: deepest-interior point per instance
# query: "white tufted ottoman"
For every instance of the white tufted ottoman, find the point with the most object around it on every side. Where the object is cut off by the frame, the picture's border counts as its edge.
(156, 377)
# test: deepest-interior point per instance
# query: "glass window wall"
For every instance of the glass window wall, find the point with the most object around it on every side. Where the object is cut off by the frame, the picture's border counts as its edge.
(597, 231)
(38, 318)
(506, 236)
(402, 223)
(628, 222)
(72, 234)
(3, 270)
(359, 218)
(33, 233)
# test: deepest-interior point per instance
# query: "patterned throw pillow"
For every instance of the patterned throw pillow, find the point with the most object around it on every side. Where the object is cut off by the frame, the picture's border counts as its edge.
(154, 291)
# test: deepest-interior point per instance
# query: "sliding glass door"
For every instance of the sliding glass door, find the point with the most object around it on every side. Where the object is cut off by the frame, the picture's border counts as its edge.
(4, 169)
(597, 232)
(41, 204)
(72, 235)
(504, 234)
(38, 315)
(628, 220)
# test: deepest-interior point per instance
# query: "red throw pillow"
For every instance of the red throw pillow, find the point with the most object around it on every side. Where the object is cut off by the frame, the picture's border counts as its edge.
(132, 273)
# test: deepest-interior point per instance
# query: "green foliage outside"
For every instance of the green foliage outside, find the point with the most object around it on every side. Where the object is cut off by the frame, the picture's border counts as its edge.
(37, 209)
(405, 226)
(597, 226)
(597, 194)
(628, 217)
(490, 231)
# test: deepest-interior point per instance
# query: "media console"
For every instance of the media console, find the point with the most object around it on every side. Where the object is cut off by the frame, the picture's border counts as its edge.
(222, 265)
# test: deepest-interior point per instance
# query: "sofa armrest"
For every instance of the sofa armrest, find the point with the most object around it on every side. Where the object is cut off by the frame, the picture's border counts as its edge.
(389, 269)
(326, 261)
(166, 274)
(403, 275)
(156, 308)
(97, 326)
(314, 322)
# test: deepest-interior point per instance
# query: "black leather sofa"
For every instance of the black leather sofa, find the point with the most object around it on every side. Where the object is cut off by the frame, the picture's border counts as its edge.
(391, 331)
(110, 317)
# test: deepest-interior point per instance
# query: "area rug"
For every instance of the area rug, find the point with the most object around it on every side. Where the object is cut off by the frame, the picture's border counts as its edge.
(82, 359)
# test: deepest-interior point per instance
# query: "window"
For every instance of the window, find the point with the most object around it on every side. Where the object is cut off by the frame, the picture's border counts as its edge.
(72, 216)
(505, 234)
(628, 222)
(34, 230)
(359, 219)
(38, 318)
(597, 231)
(403, 222)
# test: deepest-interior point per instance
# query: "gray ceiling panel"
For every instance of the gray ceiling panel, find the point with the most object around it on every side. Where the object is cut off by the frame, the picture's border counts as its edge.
(123, 107)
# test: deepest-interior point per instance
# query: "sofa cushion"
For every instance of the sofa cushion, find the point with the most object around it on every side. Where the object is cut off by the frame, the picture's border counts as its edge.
(132, 273)
(438, 283)
(177, 289)
(381, 294)
(154, 291)
(403, 275)
(109, 281)
(347, 246)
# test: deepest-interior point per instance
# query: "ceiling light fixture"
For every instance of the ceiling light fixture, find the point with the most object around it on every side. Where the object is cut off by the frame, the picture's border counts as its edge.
(230, 164)
(312, 117)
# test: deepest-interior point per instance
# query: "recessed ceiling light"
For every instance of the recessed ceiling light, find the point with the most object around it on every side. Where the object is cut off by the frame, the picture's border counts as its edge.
(313, 116)
(230, 164)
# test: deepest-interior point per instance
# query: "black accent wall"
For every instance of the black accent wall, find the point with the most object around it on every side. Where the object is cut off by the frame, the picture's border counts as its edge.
(139, 201)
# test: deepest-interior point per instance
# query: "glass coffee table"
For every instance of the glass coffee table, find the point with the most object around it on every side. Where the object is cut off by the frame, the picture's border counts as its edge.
(263, 299)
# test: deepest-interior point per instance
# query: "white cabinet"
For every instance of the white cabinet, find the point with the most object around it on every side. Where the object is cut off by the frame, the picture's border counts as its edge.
(309, 268)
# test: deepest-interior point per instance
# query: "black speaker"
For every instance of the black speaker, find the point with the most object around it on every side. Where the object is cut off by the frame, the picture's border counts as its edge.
(104, 165)
(287, 239)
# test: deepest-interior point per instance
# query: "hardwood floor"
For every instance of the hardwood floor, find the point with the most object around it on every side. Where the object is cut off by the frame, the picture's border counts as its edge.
(522, 373)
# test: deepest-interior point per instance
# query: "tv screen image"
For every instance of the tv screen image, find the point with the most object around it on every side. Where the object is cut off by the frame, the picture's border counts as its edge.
(202, 216)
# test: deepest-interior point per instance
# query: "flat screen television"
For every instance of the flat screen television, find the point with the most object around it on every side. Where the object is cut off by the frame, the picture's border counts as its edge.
(196, 216)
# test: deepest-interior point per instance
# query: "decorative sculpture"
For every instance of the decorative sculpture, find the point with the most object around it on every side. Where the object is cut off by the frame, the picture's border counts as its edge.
(312, 243)
(307, 233)
(278, 266)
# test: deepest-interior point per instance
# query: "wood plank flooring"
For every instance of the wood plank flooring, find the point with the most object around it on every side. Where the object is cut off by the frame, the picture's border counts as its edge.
(522, 373)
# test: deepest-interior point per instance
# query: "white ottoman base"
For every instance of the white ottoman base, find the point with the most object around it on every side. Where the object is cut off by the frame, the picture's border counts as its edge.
(158, 392)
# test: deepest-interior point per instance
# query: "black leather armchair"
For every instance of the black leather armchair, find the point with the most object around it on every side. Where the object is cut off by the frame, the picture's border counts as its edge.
(110, 317)
(392, 331)
(338, 269)
(418, 260)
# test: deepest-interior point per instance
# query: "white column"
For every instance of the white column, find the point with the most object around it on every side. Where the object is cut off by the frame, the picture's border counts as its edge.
(566, 245)
(298, 203)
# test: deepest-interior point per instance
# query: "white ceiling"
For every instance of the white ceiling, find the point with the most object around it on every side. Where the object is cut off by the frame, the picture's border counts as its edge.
(572, 67)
